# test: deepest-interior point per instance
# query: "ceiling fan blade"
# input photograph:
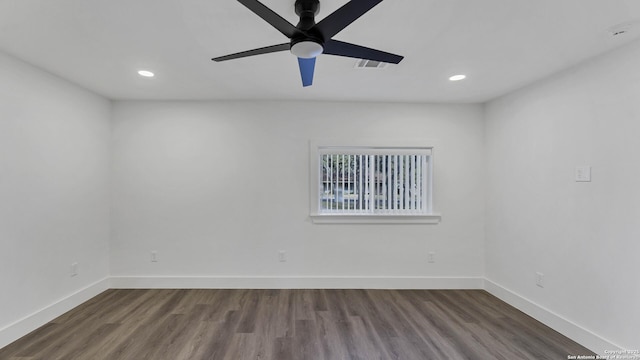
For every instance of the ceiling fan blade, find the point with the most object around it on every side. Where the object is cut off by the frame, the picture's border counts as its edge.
(264, 50)
(271, 17)
(339, 48)
(341, 18)
(307, 67)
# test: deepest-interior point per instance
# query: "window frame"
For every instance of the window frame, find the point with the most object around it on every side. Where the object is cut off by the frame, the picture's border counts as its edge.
(316, 149)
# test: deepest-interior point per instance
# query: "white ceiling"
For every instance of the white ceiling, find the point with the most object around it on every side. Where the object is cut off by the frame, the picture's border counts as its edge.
(500, 44)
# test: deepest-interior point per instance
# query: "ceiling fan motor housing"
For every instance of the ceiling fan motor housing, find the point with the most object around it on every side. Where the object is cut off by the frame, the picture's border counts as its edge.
(309, 43)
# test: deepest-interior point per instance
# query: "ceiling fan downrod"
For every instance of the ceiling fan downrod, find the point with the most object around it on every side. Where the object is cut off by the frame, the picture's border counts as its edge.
(307, 10)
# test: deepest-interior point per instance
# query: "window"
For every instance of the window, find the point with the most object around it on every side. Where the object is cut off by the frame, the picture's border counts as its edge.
(372, 184)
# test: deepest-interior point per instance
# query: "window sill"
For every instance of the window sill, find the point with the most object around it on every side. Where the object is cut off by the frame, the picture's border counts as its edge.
(374, 219)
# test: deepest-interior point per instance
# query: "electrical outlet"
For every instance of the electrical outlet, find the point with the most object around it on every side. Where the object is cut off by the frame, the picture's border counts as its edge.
(154, 256)
(431, 257)
(540, 279)
(74, 269)
(282, 256)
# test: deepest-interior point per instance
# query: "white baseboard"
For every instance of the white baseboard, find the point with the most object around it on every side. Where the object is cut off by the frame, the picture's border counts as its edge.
(20, 328)
(564, 326)
(296, 282)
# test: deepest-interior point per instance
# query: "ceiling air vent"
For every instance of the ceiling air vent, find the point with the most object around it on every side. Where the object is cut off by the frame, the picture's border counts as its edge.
(370, 64)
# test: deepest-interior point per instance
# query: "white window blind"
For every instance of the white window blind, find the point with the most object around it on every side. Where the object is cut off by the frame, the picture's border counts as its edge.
(381, 181)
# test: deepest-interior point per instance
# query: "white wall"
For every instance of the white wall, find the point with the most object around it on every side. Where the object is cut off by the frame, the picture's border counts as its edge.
(584, 237)
(54, 191)
(217, 188)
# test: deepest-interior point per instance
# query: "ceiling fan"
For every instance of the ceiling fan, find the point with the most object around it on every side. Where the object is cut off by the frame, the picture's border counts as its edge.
(308, 39)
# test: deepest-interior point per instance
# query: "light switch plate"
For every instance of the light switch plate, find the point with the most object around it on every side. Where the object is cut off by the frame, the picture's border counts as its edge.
(583, 174)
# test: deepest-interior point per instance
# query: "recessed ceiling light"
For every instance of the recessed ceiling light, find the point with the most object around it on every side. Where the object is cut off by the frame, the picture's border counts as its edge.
(458, 77)
(146, 73)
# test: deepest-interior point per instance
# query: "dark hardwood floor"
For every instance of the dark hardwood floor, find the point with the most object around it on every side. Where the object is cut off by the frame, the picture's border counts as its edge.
(293, 324)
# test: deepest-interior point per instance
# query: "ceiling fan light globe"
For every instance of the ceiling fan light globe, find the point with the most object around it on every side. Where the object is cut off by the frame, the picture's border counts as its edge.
(306, 49)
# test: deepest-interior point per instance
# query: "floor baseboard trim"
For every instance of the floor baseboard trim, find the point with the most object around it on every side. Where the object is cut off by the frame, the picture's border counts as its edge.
(296, 282)
(560, 324)
(22, 327)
